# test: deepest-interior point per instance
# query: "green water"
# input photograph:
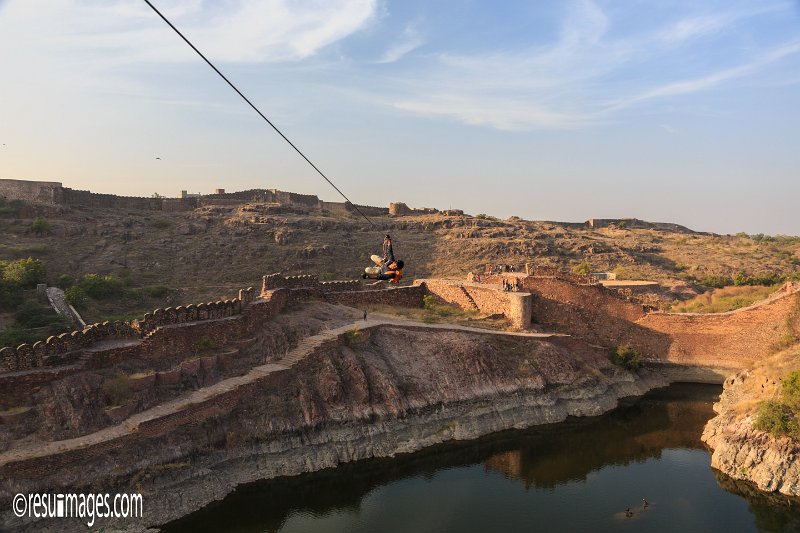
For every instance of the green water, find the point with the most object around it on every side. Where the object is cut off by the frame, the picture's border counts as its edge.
(580, 475)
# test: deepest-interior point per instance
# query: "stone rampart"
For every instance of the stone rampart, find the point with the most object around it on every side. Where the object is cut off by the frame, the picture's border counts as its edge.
(486, 298)
(398, 296)
(279, 281)
(54, 350)
(601, 316)
(400, 209)
(40, 192)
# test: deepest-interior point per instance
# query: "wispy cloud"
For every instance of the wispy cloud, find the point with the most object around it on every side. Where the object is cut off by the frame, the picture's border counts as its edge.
(239, 31)
(705, 25)
(577, 80)
(711, 80)
(411, 40)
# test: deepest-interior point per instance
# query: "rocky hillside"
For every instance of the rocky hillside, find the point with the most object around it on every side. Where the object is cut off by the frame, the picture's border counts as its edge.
(743, 452)
(209, 251)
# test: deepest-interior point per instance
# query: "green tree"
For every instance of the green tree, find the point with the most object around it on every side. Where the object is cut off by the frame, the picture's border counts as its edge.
(25, 273)
(75, 296)
(40, 226)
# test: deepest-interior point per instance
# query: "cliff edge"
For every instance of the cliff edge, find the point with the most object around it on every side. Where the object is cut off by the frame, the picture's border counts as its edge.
(743, 452)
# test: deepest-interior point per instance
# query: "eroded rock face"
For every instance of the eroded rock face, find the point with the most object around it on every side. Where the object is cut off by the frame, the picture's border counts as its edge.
(744, 453)
(385, 391)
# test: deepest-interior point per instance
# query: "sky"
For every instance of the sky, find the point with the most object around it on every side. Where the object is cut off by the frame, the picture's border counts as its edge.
(672, 111)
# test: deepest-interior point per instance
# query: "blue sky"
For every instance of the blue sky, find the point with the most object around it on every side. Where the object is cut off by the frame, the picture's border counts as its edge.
(679, 111)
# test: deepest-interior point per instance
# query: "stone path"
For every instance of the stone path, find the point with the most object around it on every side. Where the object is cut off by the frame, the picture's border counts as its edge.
(305, 347)
(59, 302)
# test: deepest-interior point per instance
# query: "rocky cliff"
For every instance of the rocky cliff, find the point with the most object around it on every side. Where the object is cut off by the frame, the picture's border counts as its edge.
(373, 393)
(739, 450)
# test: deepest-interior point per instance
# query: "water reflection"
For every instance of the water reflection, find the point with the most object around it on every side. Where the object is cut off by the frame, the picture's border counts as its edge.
(578, 475)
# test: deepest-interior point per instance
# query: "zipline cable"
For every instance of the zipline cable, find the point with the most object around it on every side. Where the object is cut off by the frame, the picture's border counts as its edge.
(221, 75)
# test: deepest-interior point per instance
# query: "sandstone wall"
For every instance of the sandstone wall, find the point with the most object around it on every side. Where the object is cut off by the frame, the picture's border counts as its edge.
(735, 338)
(603, 317)
(399, 297)
(31, 191)
(486, 298)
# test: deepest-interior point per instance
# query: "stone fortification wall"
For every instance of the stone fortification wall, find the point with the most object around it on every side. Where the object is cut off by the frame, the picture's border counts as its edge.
(398, 297)
(489, 299)
(635, 223)
(369, 210)
(399, 209)
(279, 281)
(601, 316)
(735, 338)
(352, 293)
(56, 349)
(40, 192)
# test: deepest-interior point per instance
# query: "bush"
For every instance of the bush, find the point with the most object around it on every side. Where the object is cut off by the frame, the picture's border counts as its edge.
(352, 336)
(428, 302)
(482, 216)
(790, 389)
(10, 207)
(117, 390)
(32, 314)
(101, 287)
(716, 282)
(14, 336)
(40, 226)
(158, 291)
(25, 273)
(776, 418)
(75, 296)
(65, 281)
(626, 357)
(582, 269)
(765, 279)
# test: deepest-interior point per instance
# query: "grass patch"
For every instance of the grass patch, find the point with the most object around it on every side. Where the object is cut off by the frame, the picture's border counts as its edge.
(724, 299)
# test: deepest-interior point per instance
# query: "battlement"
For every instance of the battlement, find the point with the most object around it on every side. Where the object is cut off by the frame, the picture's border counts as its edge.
(278, 281)
(54, 193)
(54, 349)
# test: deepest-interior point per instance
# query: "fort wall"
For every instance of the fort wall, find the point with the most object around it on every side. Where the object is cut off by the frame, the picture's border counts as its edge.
(486, 298)
(40, 192)
(66, 347)
(601, 316)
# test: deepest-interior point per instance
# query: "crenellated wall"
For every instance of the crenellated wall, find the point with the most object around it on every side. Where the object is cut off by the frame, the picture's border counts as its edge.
(55, 349)
(279, 281)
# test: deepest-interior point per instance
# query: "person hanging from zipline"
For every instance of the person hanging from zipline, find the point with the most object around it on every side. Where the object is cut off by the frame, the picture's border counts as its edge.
(386, 268)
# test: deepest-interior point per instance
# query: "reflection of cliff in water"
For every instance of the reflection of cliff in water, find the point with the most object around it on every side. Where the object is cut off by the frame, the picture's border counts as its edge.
(543, 457)
(673, 418)
(773, 511)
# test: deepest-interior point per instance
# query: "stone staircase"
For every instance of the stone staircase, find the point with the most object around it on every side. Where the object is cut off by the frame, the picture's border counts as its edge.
(472, 303)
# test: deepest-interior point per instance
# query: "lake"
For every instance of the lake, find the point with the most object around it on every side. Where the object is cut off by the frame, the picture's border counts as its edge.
(579, 475)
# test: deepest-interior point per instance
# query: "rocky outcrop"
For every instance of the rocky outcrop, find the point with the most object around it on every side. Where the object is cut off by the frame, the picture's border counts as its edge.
(743, 452)
(373, 393)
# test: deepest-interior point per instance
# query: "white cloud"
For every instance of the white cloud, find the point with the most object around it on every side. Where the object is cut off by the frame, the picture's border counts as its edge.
(240, 31)
(711, 80)
(411, 41)
(574, 81)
